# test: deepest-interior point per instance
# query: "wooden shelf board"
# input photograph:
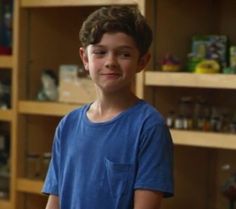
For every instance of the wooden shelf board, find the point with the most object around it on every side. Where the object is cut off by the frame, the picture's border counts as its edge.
(6, 204)
(29, 186)
(51, 3)
(204, 139)
(6, 115)
(6, 61)
(218, 81)
(46, 108)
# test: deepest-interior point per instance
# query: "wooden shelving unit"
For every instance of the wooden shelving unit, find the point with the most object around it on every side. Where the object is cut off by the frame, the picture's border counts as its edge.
(8, 118)
(29, 186)
(6, 61)
(5, 204)
(39, 28)
(51, 3)
(6, 115)
(204, 139)
(45, 108)
(199, 155)
(181, 79)
(201, 81)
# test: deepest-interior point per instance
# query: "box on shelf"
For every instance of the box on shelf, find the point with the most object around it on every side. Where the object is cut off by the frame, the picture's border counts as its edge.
(74, 89)
(233, 56)
(213, 47)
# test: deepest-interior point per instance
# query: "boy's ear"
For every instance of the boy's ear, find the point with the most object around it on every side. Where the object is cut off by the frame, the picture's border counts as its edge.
(84, 57)
(143, 61)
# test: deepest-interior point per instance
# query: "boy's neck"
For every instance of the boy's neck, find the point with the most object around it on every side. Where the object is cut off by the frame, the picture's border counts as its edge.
(108, 106)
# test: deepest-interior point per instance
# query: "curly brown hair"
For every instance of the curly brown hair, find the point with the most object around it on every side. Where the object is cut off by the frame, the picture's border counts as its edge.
(113, 19)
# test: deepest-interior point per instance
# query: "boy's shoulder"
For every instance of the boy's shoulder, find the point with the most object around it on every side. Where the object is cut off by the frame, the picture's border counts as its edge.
(146, 112)
(74, 114)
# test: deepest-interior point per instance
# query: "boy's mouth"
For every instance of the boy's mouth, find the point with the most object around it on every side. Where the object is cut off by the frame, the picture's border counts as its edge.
(111, 74)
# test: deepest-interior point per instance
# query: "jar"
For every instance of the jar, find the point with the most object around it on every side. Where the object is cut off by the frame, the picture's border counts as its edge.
(45, 163)
(179, 122)
(4, 185)
(170, 119)
(186, 107)
(33, 166)
(232, 127)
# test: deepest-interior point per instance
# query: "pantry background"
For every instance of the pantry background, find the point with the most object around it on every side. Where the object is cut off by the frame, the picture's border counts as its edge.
(45, 36)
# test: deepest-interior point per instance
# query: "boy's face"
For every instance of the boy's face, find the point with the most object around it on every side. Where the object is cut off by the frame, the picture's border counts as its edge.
(113, 62)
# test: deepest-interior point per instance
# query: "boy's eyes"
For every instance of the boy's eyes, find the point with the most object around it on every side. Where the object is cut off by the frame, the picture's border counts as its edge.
(122, 54)
(99, 52)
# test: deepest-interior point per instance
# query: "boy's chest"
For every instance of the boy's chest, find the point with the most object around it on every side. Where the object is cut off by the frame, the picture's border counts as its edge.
(113, 143)
(101, 163)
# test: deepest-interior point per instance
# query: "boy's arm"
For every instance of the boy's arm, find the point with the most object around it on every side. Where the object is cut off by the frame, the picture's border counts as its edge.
(147, 199)
(53, 202)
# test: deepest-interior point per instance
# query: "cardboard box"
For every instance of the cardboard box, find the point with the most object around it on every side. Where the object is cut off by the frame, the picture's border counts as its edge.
(80, 90)
(74, 89)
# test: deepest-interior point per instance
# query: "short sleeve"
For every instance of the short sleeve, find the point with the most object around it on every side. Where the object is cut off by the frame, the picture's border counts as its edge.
(51, 181)
(155, 161)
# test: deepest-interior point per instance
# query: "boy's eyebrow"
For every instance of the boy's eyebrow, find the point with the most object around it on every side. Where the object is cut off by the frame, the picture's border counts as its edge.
(119, 47)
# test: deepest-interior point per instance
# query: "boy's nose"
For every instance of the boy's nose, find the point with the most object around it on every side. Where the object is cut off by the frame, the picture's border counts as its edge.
(111, 60)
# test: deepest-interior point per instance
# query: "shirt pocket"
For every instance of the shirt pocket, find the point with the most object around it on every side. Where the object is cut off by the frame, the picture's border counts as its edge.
(118, 176)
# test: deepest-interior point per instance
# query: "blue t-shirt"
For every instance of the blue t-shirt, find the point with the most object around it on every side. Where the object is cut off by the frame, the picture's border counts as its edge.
(99, 165)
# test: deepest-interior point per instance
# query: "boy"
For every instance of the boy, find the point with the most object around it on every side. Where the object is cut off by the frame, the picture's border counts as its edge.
(115, 153)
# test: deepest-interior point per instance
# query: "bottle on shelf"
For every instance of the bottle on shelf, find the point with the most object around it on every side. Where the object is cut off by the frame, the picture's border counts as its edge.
(170, 119)
(33, 166)
(186, 112)
(4, 166)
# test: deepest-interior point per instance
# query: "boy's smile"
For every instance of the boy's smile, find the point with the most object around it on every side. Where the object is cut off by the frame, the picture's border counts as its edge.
(113, 62)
